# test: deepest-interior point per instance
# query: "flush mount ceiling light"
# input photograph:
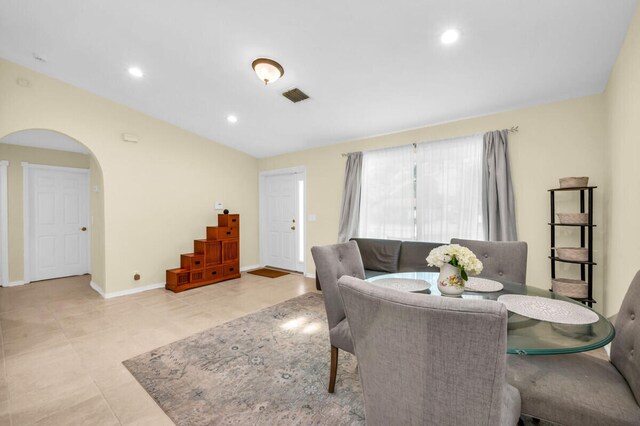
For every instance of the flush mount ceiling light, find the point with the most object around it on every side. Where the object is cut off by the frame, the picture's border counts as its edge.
(136, 72)
(232, 119)
(267, 70)
(450, 36)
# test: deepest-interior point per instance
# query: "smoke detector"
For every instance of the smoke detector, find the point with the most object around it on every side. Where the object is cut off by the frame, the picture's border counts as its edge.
(40, 58)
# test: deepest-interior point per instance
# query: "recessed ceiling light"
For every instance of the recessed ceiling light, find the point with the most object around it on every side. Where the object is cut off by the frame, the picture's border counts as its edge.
(136, 72)
(232, 119)
(450, 36)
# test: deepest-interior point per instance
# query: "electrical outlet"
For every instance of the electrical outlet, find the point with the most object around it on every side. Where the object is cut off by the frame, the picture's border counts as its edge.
(219, 205)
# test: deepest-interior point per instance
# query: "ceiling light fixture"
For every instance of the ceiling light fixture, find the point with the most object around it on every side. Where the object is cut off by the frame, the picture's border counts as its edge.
(267, 70)
(232, 119)
(450, 36)
(136, 72)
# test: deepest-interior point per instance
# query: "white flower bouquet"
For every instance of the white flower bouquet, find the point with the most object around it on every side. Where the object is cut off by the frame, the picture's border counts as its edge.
(458, 256)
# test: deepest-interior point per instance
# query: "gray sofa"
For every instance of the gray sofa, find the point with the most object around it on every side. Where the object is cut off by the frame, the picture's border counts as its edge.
(390, 256)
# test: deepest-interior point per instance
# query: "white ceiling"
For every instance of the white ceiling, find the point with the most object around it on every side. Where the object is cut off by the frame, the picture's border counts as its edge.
(44, 139)
(370, 67)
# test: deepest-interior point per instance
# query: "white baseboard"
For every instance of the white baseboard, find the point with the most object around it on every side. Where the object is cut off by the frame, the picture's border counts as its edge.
(249, 268)
(15, 283)
(309, 275)
(97, 288)
(127, 292)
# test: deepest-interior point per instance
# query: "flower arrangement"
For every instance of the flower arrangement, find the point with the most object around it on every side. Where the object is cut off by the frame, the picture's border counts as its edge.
(458, 256)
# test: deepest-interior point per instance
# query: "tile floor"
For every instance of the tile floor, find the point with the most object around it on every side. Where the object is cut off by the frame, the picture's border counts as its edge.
(63, 345)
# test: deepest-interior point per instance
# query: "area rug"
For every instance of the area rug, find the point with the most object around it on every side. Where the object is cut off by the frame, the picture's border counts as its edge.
(267, 368)
(269, 273)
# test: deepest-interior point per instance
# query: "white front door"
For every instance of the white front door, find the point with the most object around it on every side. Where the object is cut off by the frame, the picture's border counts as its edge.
(58, 215)
(281, 202)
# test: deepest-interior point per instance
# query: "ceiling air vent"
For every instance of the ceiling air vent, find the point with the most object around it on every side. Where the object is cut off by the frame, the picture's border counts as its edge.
(295, 95)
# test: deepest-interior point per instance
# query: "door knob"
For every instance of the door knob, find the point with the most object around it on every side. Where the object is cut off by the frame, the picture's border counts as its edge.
(84, 228)
(293, 228)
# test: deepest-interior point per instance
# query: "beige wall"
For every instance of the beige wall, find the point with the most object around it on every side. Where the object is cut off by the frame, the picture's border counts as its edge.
(622, 98)
(555, 140)
(16, 155)
(158, 194)
(97, 223)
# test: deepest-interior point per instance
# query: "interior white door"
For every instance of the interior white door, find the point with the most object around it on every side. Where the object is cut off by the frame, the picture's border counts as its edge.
(58, 222)
(281, 221)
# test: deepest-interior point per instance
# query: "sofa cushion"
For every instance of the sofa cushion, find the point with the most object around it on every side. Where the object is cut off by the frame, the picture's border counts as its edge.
(379, 255)
(413, 256)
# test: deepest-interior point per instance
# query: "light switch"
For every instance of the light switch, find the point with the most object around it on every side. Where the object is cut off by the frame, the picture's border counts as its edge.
(219, 205)
(312, 218)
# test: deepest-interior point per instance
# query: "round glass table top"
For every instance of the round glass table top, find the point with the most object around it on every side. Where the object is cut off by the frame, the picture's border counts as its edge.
(526, 335)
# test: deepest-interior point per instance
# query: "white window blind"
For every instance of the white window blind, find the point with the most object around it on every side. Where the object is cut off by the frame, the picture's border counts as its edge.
(387, 201)
(432, 192)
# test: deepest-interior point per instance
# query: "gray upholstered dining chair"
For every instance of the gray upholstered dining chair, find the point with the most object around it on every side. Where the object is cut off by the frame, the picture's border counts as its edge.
(581, 389)
(429, 360)
(502, 260)
(332, 262)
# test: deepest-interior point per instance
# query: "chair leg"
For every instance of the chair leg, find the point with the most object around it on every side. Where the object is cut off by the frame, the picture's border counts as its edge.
(334, 369)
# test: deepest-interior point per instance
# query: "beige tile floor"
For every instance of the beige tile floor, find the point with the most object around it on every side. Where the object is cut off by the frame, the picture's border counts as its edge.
(63, 345)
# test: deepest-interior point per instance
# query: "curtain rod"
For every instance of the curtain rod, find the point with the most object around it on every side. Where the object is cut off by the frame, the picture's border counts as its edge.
(512, 129)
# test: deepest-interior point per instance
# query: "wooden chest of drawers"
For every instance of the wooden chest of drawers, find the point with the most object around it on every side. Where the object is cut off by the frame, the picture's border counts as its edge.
(214, 259)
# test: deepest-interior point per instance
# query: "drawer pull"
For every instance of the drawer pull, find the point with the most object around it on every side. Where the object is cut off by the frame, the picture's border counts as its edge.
(231, 269)
(228, 232)
(197, 262)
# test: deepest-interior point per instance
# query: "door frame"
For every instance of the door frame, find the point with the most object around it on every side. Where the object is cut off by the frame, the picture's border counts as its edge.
(4, 224)
(26, 212)
(301, 170)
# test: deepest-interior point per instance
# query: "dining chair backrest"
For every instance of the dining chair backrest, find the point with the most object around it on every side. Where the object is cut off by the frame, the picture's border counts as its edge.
(501, 260)
(332, 262)
(427, 360)
(624, 355)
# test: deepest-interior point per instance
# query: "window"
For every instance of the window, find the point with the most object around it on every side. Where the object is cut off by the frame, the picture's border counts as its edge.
(449, 190)
(432, 192)
(387, 200)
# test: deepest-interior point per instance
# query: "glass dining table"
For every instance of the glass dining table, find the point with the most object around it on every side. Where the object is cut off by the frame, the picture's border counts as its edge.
(527, 336)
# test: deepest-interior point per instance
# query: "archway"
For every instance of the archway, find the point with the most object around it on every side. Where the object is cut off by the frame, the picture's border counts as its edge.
(34, 155)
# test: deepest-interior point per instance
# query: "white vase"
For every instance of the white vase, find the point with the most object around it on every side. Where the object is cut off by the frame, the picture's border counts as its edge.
(450, 283)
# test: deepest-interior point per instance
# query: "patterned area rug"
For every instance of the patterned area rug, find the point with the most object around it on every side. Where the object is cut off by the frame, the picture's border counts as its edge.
(267, 368)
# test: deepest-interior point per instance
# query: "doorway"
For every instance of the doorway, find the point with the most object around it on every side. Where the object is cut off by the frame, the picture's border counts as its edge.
(56, 222)
(282, 219)
(4, 225)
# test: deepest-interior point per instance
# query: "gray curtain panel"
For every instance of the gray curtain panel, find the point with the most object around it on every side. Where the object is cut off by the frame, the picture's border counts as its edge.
(497, 189)
(350, 208)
